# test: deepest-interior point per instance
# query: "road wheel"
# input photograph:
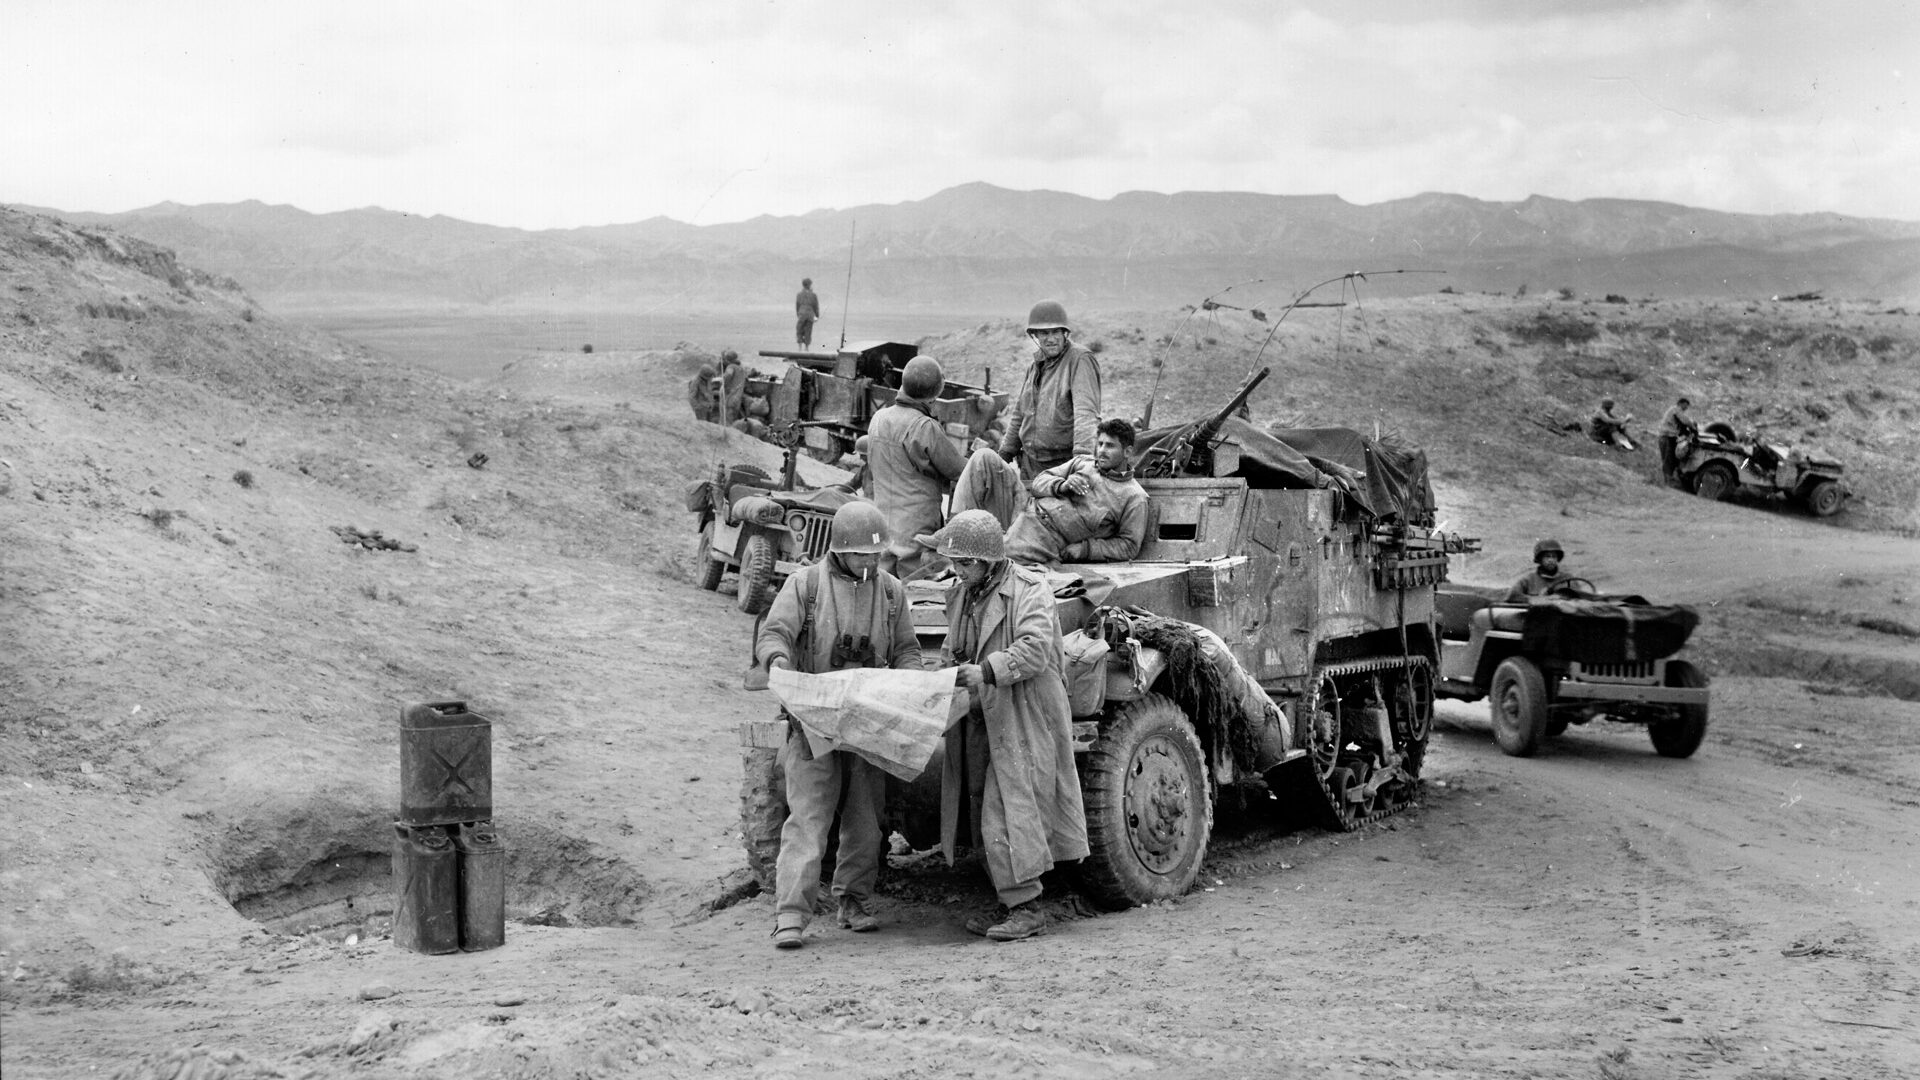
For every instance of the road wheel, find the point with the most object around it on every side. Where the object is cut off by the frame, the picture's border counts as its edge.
(1519, 701)
(763, 810)
(1149, 812)
(707, 570)
(1826, 499)
(756, 574)
(1715, 481)
(1680, 735)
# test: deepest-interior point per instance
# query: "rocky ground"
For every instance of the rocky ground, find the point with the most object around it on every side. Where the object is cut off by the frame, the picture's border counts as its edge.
(200, 683)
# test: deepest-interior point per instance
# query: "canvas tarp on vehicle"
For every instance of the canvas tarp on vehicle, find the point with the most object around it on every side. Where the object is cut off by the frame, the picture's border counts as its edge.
(1382, 478)
(1605, 631)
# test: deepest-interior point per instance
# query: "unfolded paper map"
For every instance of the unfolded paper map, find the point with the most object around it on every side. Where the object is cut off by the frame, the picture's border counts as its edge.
(892, 718)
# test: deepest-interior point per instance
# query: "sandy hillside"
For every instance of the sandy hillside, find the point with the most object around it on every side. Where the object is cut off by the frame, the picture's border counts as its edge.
(199, 687)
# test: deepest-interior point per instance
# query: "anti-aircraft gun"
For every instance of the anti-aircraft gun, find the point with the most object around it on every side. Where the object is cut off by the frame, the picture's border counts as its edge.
(1276, 629)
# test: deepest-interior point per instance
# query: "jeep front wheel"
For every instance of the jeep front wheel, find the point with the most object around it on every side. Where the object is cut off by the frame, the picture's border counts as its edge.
(707, 570)
(1715, 481)
(1825, 498)
(756, 574)
(1680, 735)
(1149, 810)
(1519, 705)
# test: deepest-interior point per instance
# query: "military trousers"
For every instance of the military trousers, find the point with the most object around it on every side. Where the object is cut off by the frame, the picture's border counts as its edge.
(815, 786)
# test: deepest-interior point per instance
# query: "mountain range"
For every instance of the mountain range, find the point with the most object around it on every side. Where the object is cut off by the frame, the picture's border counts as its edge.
(981, 247)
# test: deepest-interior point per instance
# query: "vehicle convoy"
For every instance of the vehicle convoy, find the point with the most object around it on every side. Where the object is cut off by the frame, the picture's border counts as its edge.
(836, 397)
(1569, 658)
(1716, 463)
(1276, 628)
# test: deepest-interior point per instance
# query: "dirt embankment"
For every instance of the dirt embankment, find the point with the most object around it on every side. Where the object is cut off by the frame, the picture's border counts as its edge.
(200, 682)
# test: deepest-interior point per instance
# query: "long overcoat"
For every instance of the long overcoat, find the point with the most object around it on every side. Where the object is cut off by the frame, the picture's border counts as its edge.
(1029, 726)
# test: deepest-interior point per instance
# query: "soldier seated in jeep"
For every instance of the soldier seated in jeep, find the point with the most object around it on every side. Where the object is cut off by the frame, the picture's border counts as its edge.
(1547, 578)
(1089, 509)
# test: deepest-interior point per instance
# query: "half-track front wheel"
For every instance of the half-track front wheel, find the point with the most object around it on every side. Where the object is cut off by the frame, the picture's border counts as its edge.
(756, 574)
(1680, 735)
(707, 570)
(1149, 810)
(1715, 480)
(1519, 706)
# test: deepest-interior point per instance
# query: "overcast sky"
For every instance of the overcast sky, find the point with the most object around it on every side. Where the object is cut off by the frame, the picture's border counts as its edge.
(554, 114)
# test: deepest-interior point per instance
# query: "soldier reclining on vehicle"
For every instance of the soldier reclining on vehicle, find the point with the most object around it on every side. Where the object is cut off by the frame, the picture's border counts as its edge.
(1089, 509)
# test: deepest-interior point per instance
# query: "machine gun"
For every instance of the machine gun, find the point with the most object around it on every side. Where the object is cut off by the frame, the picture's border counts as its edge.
(1190, 449)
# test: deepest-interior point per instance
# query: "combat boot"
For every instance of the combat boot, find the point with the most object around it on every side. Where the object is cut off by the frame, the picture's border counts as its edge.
(1022, 921)
(854, 916)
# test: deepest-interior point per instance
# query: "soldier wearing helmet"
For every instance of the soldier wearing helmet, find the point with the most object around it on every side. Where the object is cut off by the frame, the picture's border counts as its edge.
(1546, 575)
(841, 612)
(806, 308)
(1012, 757)
(1057, 408)
(914, 463)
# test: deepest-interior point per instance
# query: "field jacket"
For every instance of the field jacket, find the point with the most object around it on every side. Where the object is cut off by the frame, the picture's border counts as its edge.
(914, 463)
(1105, 525)
(1056, 412)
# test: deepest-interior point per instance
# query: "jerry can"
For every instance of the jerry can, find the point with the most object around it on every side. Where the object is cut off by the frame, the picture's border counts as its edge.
(426, 889)
(483, 886)
(446, 764)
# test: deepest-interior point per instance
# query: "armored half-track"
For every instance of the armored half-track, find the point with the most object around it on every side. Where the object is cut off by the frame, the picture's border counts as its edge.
(1277, 628)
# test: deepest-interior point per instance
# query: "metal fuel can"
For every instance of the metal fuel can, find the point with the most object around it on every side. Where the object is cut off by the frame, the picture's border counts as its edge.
(446, 764)
(483, 886)
(426, 889)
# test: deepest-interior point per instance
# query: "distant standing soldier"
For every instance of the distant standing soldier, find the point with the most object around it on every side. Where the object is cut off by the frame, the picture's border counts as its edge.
(1673, 426)
(841, 612)
(1011, 759)
(914, 463)
(703, 394)
(1056, 412)
(806, 309)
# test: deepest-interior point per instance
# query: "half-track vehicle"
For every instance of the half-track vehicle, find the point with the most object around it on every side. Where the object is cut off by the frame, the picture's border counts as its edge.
(1571, 657)
(837, 396)
(1276, 629)
(1716, 464)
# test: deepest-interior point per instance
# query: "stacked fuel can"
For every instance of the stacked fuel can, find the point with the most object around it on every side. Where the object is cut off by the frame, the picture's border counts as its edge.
(449, 868)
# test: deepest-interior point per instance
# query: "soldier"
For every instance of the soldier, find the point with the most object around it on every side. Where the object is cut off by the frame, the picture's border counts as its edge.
(914, 463)
(702, 396)
(1546, 575)
(733, 388)
(841, 612)
(1011, 759)
(1057, 408)
(806, 309)
(1090, 509)
(1605, 424)
(1673, 426)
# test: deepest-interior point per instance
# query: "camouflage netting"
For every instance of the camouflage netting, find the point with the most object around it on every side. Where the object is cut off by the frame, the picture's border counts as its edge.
(1207, 682)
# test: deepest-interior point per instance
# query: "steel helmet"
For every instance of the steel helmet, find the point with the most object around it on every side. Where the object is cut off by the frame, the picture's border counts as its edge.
(857, 530)
(972, 534)
(922, 378)
(728, 356)
(1606, 403)
(1047, 315)
(1548, 547)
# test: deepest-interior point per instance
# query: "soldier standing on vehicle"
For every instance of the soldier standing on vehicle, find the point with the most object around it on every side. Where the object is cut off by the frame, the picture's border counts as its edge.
(1546, 575)
(914, 464)
(841, 612)
(1090, 509)
(806, 309)
(1674, 426)
(1011, 759)
(1057, 408)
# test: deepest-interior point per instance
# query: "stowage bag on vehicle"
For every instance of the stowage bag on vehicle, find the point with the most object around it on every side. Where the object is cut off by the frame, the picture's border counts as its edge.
(1606, 632)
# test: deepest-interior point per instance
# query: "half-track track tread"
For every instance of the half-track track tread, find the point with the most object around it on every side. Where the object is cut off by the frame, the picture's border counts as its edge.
(1342, 816)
